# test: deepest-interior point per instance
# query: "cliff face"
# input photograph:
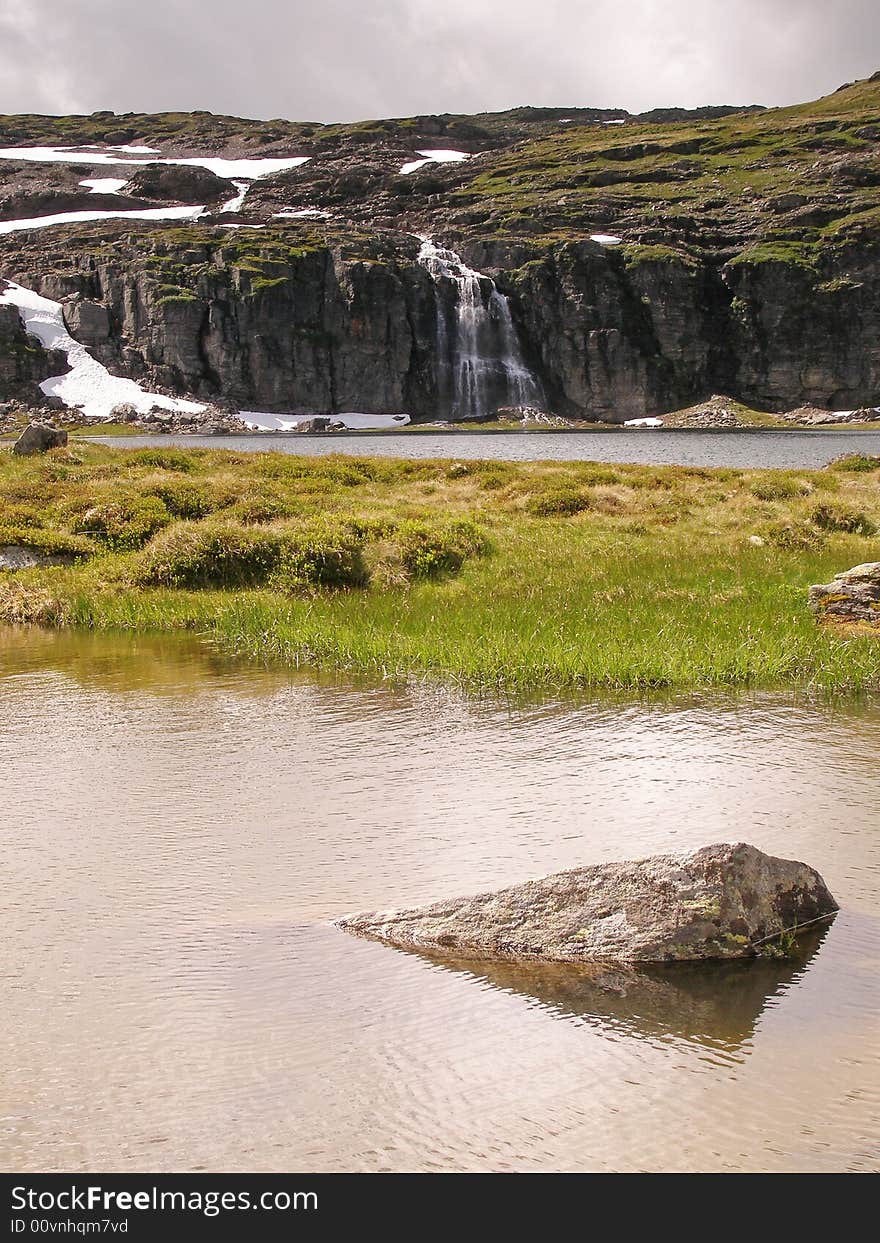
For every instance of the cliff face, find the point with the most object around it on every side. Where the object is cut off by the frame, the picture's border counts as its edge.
(23, 361)
(748, 262)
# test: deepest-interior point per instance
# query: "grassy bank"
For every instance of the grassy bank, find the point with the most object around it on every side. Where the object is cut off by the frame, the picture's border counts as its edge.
(534, 575)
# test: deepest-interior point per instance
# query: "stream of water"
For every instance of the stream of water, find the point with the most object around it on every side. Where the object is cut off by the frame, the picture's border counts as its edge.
(179, 833)
(479, 356)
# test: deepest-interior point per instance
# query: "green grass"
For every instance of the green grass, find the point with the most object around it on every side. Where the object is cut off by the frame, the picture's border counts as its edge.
(473, 573)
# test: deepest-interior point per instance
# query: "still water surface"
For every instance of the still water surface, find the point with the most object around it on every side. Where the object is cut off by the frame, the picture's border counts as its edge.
(744, 450)
(178, 832)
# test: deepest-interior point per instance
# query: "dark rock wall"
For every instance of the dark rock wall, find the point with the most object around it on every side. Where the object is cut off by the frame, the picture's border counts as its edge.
(612, 333)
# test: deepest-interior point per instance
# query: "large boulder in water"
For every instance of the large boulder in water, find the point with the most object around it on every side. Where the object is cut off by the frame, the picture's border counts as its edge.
(723, 901)
(852, 595)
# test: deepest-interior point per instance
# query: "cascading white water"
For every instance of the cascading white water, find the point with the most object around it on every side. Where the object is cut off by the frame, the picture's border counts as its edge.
(479, 356)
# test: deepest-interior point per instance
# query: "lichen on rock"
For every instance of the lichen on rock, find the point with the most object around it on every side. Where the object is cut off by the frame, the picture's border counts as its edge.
(722, 901)
(852, 595)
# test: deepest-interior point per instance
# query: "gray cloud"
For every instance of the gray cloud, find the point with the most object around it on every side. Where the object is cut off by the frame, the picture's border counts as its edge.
(343, 60)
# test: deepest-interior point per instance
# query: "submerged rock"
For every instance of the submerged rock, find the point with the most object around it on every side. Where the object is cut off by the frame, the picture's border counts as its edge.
(723, 901)
(852, 595)
(39, 438)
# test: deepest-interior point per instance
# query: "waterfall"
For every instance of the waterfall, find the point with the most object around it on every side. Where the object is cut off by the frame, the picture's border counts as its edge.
(480, 363)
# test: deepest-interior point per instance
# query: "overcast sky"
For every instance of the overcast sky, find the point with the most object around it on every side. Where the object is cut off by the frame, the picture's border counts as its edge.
(328, 60)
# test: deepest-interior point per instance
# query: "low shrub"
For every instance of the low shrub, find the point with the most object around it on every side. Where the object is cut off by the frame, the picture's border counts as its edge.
(794, 536)
(780, 488)
(828, 517)
(323, 552)
(426, 550)
(164, 459)
(208, 554)
(126, 523)
(185, 499)
(856, 463)
(560, 503)
(252, 510)
(44, 540)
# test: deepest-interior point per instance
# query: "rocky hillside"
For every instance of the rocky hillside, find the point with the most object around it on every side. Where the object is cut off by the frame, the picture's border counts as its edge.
(645, 262)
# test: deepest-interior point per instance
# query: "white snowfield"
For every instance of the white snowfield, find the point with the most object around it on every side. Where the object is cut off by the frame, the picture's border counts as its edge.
(79, 217)
(104, 185)
(288, 422)
(88, 384)
(605, 239)
(643, 423)
(245, 168)
(434, 157)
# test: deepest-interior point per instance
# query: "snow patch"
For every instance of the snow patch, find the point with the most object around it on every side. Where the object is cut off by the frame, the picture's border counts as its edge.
(605, 239)
(288, 422)
(76, 217)
(289, 214)
(104, 185)
(643, 423)
(88, 384)
(439, 156)
(249, 169)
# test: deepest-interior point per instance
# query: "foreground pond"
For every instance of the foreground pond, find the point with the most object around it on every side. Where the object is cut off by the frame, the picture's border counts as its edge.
(178, 832)
(744, 450)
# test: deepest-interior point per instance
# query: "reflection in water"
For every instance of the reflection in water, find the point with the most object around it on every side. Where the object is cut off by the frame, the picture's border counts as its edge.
(178, 832)
(709, 1002)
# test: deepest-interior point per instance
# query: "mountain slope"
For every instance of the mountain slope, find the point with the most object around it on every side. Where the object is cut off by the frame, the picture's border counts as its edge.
(747, 260)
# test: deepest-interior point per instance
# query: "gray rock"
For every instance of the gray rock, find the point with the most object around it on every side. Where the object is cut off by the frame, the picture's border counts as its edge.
(21, 557)
(316, 424)
(38, 438)
(87, 321)
(125, 413)
(852, 595)
(182, 182)
(723, 901)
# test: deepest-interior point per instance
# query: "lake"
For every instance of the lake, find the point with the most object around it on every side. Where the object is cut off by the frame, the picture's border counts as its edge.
(180, 830)
(784, 450)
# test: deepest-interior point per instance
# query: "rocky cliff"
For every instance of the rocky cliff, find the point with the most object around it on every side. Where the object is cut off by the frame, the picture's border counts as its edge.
(736, 253)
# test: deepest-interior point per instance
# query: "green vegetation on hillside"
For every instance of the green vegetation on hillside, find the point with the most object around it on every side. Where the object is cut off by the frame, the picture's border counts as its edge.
(545, 575)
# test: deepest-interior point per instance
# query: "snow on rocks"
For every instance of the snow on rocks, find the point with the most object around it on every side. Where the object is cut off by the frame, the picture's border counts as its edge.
(250, 169)
(104, 185)
(605, 239)
(353, 421)
(290, 214)
(434, 157)
(80, 217)
(643, 423)
(88, 385)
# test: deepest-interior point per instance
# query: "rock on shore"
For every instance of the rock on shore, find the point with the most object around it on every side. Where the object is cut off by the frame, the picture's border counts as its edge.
(852, 595)
(39, 438)
(722, 901)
